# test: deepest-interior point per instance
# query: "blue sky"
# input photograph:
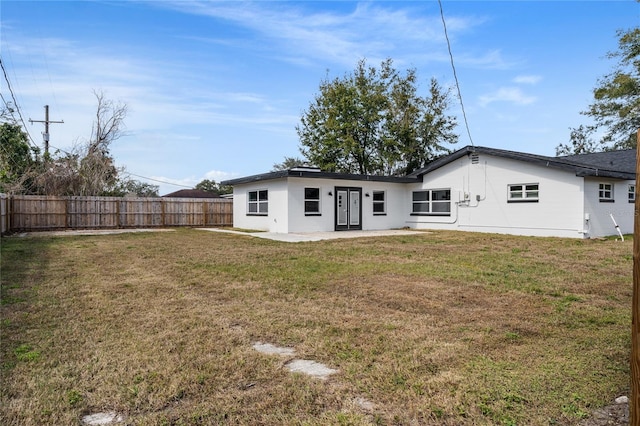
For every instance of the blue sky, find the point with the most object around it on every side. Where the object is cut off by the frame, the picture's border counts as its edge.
(215, 89)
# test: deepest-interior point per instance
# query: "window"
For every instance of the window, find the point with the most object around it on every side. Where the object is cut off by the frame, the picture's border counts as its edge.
(420, 202)
(605, 192)
(632, 193)
(435, 202)
(523, 193)
(312, 201)
(258, 202)
(379, 207)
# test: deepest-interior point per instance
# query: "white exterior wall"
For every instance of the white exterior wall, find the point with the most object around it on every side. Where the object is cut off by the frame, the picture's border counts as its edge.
(599, 213)
(286, 205)
(484, 208)
(298, 221)
(479, 202)
(277, 218)
(395, 197)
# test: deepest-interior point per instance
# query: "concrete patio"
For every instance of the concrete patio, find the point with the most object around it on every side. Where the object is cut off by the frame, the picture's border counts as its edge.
(319, 236)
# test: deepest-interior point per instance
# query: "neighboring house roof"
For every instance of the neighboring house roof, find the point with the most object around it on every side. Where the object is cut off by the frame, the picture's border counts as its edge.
(192, 193)
(613, 164)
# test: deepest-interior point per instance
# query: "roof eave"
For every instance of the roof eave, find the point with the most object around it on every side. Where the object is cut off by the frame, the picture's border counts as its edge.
(567, 164)
(316, 175)
(605, 173)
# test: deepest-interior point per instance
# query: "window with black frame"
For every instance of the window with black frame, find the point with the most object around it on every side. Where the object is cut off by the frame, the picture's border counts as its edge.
(312, 201)
(605, 192)
(258, 202)
(379, 203)
(524, 193)
(431, 202)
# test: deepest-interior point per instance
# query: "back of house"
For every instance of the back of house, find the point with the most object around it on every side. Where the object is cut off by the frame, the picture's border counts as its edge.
(473, 189)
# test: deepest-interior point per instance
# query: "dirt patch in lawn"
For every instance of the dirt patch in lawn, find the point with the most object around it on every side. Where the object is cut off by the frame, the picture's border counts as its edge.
(75, 232)
(615, 414)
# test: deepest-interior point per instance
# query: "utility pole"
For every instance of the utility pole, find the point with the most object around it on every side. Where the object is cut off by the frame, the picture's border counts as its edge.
(634, 401)
(45, 135)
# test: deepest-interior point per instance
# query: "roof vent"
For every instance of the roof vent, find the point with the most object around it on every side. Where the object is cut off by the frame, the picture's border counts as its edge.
(475, 158)
(305, 169)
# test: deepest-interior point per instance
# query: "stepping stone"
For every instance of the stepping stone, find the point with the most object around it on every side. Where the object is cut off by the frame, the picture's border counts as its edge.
(268, 348)
(107, 418)
(311, 368)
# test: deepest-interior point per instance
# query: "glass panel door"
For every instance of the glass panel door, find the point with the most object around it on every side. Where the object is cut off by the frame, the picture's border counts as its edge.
(342, 207)
(354, 208)
(348, 208)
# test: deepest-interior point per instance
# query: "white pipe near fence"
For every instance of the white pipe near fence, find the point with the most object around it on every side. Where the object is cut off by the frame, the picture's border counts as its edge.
(617, 227)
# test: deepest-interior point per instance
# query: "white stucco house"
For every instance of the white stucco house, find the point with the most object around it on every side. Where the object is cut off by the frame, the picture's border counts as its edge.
(473, 189)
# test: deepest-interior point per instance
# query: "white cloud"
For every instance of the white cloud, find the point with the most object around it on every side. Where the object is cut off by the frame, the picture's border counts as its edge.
(527, 79)
(492, 60)
(161, 95)
(301, 36)
(214, 107)
(507, 94)
(219, 175)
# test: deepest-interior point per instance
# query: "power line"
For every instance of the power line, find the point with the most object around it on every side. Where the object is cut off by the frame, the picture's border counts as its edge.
(9, 109)
(158, 180)
(132, 174)
(4, 71)
(455, 76)
(15, 103)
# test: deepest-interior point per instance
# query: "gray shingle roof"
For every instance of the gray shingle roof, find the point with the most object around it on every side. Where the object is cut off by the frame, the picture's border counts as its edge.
(622, 161)
(612, 164)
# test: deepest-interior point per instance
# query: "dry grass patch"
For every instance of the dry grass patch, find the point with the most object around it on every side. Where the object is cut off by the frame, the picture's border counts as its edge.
(445, 328)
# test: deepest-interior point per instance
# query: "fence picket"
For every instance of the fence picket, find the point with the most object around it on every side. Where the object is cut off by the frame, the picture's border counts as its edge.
(26, 213)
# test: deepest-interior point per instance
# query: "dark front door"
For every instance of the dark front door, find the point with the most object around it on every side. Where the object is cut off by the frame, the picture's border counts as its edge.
(348, 208)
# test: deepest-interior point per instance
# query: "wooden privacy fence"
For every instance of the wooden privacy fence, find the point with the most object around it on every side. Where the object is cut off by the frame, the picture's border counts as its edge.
(42, 213)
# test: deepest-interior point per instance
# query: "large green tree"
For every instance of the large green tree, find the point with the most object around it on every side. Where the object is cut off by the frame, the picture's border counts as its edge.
(616, 103)
(211, 185)
(129, 187)
(289, 163)
(373, 121)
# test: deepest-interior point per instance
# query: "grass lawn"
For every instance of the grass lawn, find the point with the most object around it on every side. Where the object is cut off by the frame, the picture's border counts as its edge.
(444, 328)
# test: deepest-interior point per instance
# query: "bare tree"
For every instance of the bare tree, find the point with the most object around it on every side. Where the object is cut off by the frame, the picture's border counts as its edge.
(108, 125)
(89, 169)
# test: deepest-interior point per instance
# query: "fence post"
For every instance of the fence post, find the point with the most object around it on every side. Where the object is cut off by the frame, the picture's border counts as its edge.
(10, 215)
(205, 212)
(67, 218)
(3, 214)
(162, 212)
